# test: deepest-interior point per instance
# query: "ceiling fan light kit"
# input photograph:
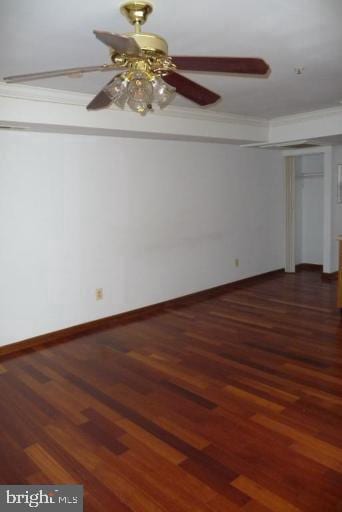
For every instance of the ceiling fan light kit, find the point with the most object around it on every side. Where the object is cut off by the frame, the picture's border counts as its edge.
(148, 74)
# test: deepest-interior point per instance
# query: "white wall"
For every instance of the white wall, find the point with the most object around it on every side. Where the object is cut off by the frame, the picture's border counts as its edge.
(309, 209)
(144, 220)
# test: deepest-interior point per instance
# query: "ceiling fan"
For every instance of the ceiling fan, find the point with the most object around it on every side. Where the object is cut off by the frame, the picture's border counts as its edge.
(147, 73)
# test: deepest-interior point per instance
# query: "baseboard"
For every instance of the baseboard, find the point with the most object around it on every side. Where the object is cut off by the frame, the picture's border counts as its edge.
(332, 276)
(101, 324)
(312, 267)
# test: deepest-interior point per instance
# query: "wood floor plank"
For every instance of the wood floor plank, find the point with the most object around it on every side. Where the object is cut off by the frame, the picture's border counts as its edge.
(270, 390)
(48, 465)
(15, 465)
(296, 435)
(314, 373)
(127, 491)
(175, 473)
(173, 496)
(254, 399)
(254, 506)
(152, 442)
(319, 456)
(222, 504)
(85, 453)
(171, 371)
(185, 434)
(263, 496)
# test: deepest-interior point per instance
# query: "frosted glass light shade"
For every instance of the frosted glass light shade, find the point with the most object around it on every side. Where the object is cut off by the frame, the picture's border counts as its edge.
(140, 95)
(163, 92)
(117, 91)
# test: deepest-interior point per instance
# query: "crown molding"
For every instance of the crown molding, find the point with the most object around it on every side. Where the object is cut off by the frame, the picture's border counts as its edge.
(34, 93)
(313, 115)
(318, 124)
(187, 122)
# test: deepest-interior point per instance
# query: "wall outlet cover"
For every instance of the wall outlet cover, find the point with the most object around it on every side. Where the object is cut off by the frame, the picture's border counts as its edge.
(99, 293)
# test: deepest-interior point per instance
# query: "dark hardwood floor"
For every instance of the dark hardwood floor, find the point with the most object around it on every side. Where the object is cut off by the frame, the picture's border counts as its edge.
(232, 403)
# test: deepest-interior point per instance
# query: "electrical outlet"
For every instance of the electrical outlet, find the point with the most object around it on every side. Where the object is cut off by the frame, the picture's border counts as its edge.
(237, 262)
(99, 293)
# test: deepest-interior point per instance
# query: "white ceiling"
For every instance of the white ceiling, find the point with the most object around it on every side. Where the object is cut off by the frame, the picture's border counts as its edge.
(39, 35)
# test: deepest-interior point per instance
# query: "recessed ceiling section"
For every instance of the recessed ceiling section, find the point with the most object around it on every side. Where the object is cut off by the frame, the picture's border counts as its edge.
(38, 36)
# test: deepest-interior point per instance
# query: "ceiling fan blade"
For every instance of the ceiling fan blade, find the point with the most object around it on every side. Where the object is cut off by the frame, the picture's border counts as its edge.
(118, 42)
(102, 99)
(238, 65)
(58, 72)
(191, 90)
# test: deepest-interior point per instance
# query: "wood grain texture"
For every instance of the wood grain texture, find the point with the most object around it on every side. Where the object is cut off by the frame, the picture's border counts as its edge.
(224, 402)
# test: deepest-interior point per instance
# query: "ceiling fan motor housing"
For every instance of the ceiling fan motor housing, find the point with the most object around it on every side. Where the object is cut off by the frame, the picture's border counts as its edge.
(150, 42)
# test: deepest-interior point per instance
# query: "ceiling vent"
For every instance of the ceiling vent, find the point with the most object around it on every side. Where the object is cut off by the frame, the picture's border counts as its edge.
(298, 144)
(302, 145)
(11, 127)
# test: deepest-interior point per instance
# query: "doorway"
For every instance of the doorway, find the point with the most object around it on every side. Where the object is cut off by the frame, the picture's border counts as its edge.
(308, 208)
(309, 211)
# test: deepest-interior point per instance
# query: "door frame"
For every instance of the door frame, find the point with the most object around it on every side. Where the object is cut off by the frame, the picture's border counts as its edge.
(289, 182)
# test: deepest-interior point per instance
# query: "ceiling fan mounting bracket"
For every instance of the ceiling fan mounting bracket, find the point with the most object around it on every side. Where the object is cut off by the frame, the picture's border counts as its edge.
(136, 12)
